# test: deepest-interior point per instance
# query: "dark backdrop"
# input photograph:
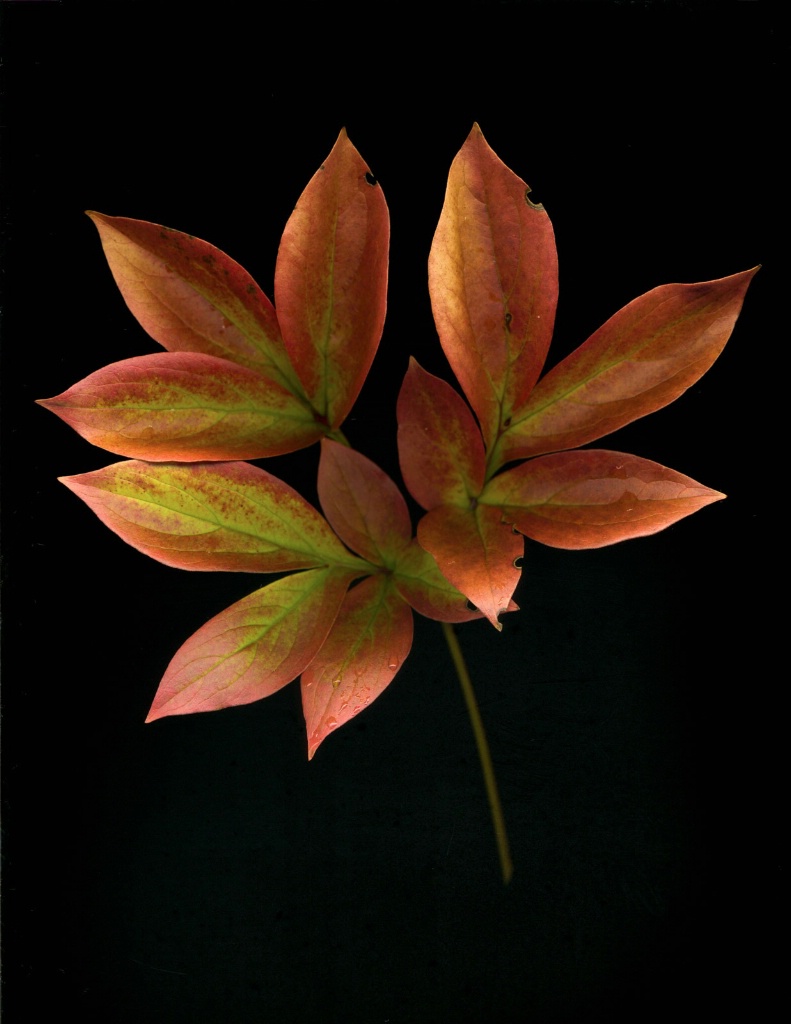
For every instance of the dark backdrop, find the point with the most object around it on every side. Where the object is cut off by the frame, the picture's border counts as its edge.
(199, 870)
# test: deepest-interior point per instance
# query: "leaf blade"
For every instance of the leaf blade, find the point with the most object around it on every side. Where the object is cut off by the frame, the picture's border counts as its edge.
(362, 504)
(476, 552)
(591, 498)
(367, 645)
(640, 360)
(185, 406)
(422, 585)
(253, 648)
(211, 516)
(493, 283)
(331, 280)
(440, 448)
(190, 296)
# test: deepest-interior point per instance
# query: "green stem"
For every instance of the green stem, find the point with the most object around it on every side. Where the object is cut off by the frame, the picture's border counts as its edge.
(506, 864)
(338, 435)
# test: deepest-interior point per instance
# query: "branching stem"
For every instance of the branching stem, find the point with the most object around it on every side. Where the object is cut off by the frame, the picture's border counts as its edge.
(506, 864)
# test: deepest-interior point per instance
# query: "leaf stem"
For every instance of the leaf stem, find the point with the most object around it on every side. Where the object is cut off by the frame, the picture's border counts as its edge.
(338, 435)
(506, 864)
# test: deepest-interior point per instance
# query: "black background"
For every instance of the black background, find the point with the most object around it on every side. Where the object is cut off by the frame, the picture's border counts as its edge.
(199, 870)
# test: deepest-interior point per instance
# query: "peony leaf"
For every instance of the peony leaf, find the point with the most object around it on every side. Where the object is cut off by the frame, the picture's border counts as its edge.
(362, 504)
(493, 283)
(642, 359)
(331, 280)
(420, 582)
(589, 498)
(439, 444)
(227, 516)
(476, 552)
(192, 297)
(185, 406)
(254, 647)
(366, 647)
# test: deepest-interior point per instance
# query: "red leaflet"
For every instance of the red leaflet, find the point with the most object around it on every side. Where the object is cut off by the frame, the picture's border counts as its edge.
(182, 405)
(227, 516)
(365, 649)
(427, 590)
(586, 499)
(643, 358)
(331, 280)
(440, 447)
(254, 647)
(363, 505)
(493, 279)
(477, 552)
(190, 296)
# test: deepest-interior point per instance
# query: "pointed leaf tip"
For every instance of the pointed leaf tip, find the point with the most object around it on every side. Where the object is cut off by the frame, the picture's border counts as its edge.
(591, 498)
(476, 552)
(369, 642)
(190, 296)
(363, 505)
(440, 447)
(185, 406)
(253, 648)
(211, 516)
(493, 284)
(643, 358)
